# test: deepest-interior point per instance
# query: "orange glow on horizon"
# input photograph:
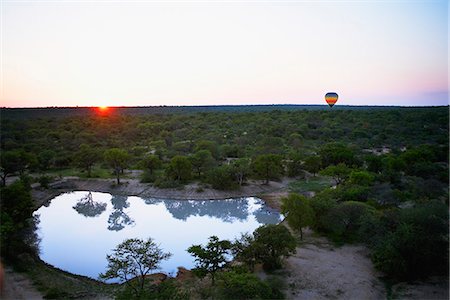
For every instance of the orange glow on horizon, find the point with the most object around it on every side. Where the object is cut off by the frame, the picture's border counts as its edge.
(103, 110)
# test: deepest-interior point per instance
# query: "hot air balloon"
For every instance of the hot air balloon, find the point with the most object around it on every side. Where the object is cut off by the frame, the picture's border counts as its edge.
(331, 98)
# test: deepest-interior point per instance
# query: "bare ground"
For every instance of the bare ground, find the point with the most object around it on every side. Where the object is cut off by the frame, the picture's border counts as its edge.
(17, 286)
(320, 270)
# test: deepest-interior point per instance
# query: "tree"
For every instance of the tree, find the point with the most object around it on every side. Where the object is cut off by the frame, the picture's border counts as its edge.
(117, 159)
(201, 161)
(298, 212)
(273, 242)
(132, 260)
(46, 158)
(313, 164)
(180, 168)
(222, 178)
(16, 215)
(211, 146)
(363, 178)
(210, 258)
(295, 165)
(268, 166)
(344, 220)
(336, 153)
(418, 246)
(339, 172)
(243, 285)
(374, 163)
(9, 163)
(86, 157)
(151, 163)
(241, 169)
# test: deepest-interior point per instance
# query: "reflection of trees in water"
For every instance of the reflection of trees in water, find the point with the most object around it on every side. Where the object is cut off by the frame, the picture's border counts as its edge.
(118, 219)
(87, 207)
(266, 215)
(226, 210)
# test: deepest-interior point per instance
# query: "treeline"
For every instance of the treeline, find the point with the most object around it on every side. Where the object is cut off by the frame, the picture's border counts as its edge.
(210, 141)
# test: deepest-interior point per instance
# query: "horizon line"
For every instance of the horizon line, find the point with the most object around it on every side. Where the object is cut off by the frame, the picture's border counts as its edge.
(218, 105)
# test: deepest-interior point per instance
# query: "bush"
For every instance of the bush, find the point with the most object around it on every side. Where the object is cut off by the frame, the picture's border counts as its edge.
(222, 178)
(44, 181)
(418, 247)
(343, 221)
(242, 285)
(165, 183)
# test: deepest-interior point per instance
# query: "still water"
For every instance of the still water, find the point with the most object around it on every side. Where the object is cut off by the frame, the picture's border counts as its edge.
(78, 229)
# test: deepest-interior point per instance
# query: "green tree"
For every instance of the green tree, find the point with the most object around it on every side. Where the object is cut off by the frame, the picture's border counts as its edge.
(336, 153)
(9, 161)
(116, 159)
(202, 161)
(245, 250)
(222, 178)
(273, 242)
(211, 258)
(298, 212)
(211, 146)
(313, 164)
(151, 163)
(132, 260)
(241, 169)
(268, 166)
(339, 172)
(244, 285)
(46, 158)
(418, 246)
(86, 157)
(363, 178)
(180, 168)
(295, 165)
(16, 218)
(374, 163)
(344, 220)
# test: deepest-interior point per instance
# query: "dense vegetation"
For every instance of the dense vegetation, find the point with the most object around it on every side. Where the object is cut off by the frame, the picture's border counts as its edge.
(133, 259)
(388, 166)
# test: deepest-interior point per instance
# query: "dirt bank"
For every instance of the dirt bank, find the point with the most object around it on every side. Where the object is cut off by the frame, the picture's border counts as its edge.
(132, 187)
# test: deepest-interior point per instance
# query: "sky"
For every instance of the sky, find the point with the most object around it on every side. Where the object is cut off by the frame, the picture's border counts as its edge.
(145, 53)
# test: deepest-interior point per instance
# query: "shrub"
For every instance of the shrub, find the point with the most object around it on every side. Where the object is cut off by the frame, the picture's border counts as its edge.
(242, 285)
(344, 220)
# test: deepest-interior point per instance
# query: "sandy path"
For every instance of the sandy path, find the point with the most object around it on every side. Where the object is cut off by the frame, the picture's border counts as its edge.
(18, 286)
(321, 271)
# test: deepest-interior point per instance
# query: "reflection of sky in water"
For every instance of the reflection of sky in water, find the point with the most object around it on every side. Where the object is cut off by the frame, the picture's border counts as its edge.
(79, 241)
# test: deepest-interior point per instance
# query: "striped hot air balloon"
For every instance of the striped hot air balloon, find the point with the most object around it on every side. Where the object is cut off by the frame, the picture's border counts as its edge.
(331, 98)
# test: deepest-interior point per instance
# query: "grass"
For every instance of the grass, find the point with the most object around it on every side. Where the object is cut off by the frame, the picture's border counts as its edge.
(313, 184)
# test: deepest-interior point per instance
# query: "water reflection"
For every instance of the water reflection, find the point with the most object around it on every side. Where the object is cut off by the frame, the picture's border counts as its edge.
(225, 210)
(265, 215)
(118, 219)
(87, 207)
